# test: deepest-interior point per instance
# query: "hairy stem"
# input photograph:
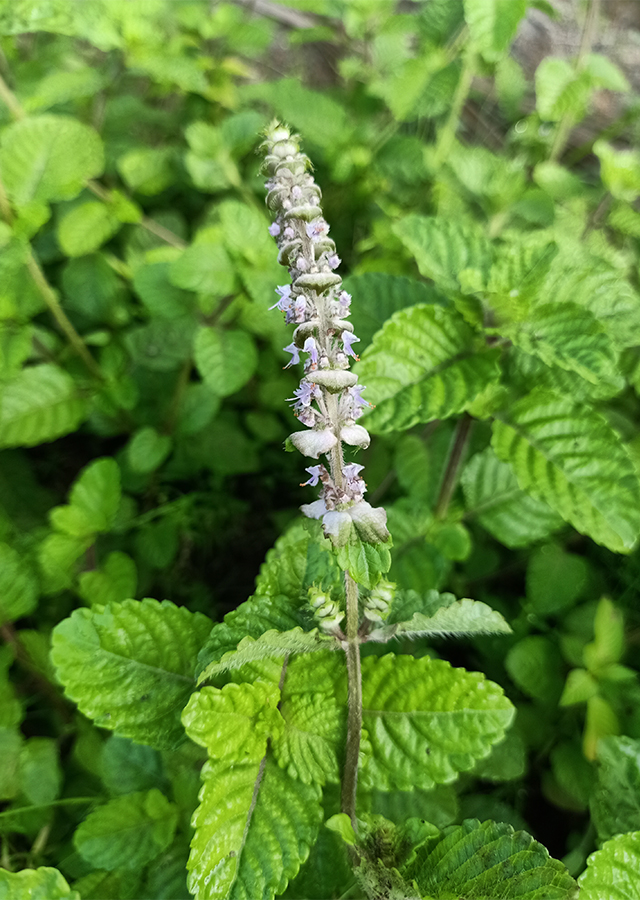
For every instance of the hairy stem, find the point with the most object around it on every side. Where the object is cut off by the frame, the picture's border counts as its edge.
(354, 708)
(450, 478)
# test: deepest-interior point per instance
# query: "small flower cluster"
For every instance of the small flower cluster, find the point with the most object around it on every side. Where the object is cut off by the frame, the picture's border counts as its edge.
(326, 611)
(329, 400)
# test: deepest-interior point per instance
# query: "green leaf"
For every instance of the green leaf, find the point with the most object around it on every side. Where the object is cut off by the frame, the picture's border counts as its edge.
(488, 861)
(555, 579)
(86, 227)
(524, 369)
(492, 494)
(128, 832)
(47, 158)
(58, 557)
(163, 345)
(61, 87)
(271, 644)
(129, 666)
(225, 359)
(493, 23)
(147, 450)
(366, 563)
(18, 585)
(115, 580)
(147, 170)
(570, 457)
(376, 296)
(39, 405)
(205, 266)
(426, 721)
(127, 766)
(40, 774)
(255, 824)
(619, 170)
(615, 802)
(461, 617)
(93, 501)
(159, 294)
(605, 73)
(44, 883)
(326, 873)
(424, 364)
(568, 336)
(561, 90)
(535, 665)
(443, 248)
(11, 742)
(438, 806)
(613, 872)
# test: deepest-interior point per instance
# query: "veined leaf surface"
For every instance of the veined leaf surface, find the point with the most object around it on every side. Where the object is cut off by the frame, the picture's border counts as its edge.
(38, 405)
(613, 871)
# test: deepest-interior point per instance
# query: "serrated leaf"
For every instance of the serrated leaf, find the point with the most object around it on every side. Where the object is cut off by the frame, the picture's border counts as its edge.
(613, 872)
(492, 494)
(39, 405)
(129, 666)
(427, 721)
(163, 345)
(493, 24)
(159, 294)
(115, 580)
(93, 501)
(568, 336)
(525, 369)
(462, 617)
(366, 563)
(43, 883)
(560, 89)
(271, 644)
(86, 227)
(127, 767)
(488, 861)
(443, 248)
(205, 266)
(615, 802)
(377, 295)
(571, 457)
(46, 158)
(424, 364)
(225, 359)
(128, 832)
(18, 585)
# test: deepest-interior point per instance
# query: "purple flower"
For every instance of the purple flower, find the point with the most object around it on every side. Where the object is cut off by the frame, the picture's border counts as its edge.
(305, 395)
(296, 192)
(284, 303)
(317, 229)
(299, 309)
(315, 472)
(295, 355)
(289, 233)
(311, 348)
(274, 229)
(301, 263)
(355, 393)
(344, 304)
(351, 471)
(347, 340)
(334, 261)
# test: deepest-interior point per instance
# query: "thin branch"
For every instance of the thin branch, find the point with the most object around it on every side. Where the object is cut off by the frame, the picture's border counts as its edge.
(354, 709)
(450, 478)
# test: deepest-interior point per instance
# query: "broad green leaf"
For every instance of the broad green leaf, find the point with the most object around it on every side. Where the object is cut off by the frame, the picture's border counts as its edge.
(44, 883)
(535, 665)
(147, 170)
(461, 617)
(147, 450)
(443, 248)
(86, 227)
(555, 579)
(605, 73)
(301, 557)
(129, 666)
(568, 336)
(570, 457)
(615, 802)
(46, 158)
(40, 774)
(366, 563)
(424, 364)
(115, 580)
(93, 501)
(61, 87)
(271, 644)
(560, 90)
(426, 721)
(619, 170)
(128, 832)
(92, 290)
(245, 234)
(438, 806)
(493, 24)
(39, 405)
(225, 359)
(11, 742)
(506, 762)
(159, 294)
(492, 494)
(376, 296)
(128, 767)
(163, 345)
(613, 872)
(488, 861)
(11, 708)
(205, 266)
(524, 369)
(18, 585)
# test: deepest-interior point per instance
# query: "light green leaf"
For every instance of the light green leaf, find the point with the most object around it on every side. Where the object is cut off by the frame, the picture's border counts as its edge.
(535, 665)
(205, 266)
(128, 832)
(147, 450)
(493, 24)
(61, 87)
(115, 580)
(39, 405)
(571, 457)
(438, 806)
(560, 90)
(462, 617)
(11, 742)
(524, 369)
(44, 883)
(424, 364)
(620, 170)
(93, 501)
(605, 73)
(555, 579)
(613, 872)
(58, 555)
(254, 828)
(568, 336)
(488, 861)
(147, 170)
(492, 494)
(427, 721)
(47, 158)
(245, 234)
(129, 666)
(86, 227)
(443, 248)
(18, 585)
(225, 359)
(615, 802)
(40, 775)
(152, 284)
(366, 563)
(271, 644)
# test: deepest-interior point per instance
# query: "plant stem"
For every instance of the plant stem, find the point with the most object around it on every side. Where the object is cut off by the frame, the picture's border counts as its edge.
(448, 132)
(450, 478)
(354, 703)
(568, 120)
(66, 801)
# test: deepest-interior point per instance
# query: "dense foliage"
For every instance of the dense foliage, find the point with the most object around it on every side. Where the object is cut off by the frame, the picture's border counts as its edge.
(492, 265)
